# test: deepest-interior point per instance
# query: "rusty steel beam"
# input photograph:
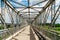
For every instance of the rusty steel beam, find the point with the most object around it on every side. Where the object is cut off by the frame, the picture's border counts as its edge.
(47, 5)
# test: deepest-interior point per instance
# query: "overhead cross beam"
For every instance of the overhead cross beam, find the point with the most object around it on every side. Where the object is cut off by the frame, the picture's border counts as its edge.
(18, 3)
(30, 7)
(29, 12)
(25, 7)
(38, 3)
(28, 4)
(50, 1)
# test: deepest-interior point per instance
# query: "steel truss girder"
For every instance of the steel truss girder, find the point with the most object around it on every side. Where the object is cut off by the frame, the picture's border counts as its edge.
(47, 5)
(46, 16)
(8, 4)
(27, 7)
(56, 16)
(1, 19)
(29, 4)
(18, 3)
(29, 12)
(55, 13)
(38, 3)
(11, 16)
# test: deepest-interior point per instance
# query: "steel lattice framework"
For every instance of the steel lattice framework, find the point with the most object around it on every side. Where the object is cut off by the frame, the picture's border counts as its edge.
(15, 15)
(26, 12)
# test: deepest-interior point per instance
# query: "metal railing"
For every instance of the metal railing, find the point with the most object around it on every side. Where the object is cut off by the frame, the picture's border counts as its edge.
(5, 33)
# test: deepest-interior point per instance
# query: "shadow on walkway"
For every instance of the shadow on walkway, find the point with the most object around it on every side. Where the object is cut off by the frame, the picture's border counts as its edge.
(32, 37)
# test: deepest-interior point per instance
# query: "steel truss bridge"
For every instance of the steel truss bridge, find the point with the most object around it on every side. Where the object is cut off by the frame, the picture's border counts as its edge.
(28, 18)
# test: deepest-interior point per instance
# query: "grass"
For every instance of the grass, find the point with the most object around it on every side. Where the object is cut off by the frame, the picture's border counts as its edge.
(0, 38)
(46, 27)
(55, 29)
(8, 26)
(51, 30)
(1, 27)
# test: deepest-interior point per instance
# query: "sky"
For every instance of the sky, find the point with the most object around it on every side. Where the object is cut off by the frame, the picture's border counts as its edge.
(24, 2)
(0, 6)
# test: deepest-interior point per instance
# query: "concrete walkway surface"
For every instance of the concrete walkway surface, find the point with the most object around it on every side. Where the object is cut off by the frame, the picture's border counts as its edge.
(25, 33)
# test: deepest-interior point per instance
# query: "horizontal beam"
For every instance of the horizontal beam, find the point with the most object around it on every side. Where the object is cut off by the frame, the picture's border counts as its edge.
(27, 18)
(29, 12)
(27, 7)
(18, 3)
(39, 3)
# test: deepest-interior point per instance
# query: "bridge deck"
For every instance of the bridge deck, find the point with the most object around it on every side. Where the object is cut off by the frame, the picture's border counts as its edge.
(26, 33)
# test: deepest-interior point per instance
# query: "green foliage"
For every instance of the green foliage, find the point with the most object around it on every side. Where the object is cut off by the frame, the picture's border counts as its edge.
(0, 38)
(9, 26)
(48, 24)
(57, 25)
(57, 29)
(1, 27)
